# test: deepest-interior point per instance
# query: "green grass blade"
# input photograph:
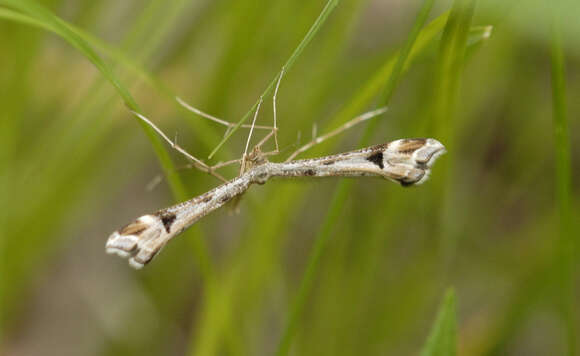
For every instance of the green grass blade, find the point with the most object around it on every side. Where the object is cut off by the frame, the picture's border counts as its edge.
(42, 14)
(442, 339)
(44, 18)
(342, 193)
(404, 53)
(371, 88)
(306, 284)
(326, 11)
(41, 18)
(117, 55)
(566, 240)
(11, 15)
(398, 67)
(477, 34)
(203, 131)
(452, 55)
(450, 69)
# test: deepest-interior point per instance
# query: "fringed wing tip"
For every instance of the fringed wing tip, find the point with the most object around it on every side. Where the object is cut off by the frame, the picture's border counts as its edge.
(139, 241)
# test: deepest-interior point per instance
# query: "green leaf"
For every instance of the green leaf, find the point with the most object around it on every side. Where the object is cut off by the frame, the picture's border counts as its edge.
(442, 339)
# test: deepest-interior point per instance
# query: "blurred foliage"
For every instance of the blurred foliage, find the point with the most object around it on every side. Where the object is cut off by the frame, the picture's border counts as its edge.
(497, 222)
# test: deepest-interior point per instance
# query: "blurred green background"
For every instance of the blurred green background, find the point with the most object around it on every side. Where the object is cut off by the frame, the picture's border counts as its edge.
(308, 267)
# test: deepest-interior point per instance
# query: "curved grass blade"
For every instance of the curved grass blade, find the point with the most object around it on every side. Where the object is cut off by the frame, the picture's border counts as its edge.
(95, 42)
(342, 193)
(566, 241)
(452, 56)
(422, 38)
(328, 8)
(372, 87)
(42, 17)
(204, 133)
(442, 339)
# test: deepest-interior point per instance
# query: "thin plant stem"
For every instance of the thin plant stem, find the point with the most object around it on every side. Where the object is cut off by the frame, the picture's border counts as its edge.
(563, 181)
(326, 11)
(339, 199)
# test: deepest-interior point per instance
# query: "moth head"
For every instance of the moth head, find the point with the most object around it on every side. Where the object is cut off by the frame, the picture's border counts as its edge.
(253, 159)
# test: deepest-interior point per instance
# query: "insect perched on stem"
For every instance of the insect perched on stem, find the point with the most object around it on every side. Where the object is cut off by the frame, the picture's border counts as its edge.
(405, 161)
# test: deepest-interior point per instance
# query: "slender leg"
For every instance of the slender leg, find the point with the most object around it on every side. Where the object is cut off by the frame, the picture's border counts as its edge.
(274, 97)
(228, 124)
(346, 126)
(274, 132)
(158, 179)
(226, 163)
(196, 162)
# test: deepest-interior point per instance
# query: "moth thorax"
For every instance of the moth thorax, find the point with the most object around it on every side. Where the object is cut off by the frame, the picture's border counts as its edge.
(254, 159)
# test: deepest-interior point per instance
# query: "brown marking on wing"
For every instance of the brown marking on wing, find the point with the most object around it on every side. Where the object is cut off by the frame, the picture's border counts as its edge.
(377, 158)
(375, 148)
(167, 219)
(411, 145)
(225, 198)
(135, 228)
